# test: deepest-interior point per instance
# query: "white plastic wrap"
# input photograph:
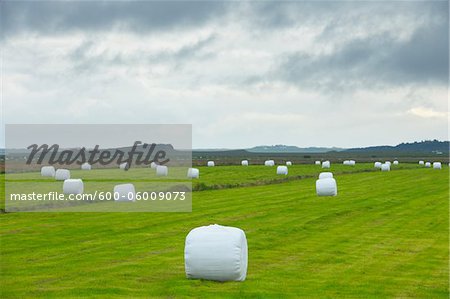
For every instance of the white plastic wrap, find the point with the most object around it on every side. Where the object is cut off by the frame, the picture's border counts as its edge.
(421, 162)
(211, 164)
(216, 252)
(124, 192)
(162, 170)
(193, 173)
(326, 187)
(86, 166)
(385, 167)
(318, 163)
(325, 175)
(326, 164)
(428, 165)
(377, 165)
(73, 186)
(123, 166)
(269, 163)
(48, 171)
(244, 162)
(288, 163)
(282, 170)
(437, 165)
(62, 174)
(395, 162)
(153, 165)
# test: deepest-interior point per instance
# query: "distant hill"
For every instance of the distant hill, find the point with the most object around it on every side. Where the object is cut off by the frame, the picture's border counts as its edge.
(280, 148)
(427, 146)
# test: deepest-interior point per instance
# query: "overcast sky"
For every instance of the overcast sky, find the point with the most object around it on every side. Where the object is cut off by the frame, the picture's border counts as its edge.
(329, 73)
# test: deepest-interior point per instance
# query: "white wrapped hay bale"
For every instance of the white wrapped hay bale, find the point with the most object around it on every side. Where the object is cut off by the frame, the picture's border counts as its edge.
(388, 163)
(318, 163)
(244, 162)
(48, 171)
(428, 165)
(377, 165)
(385, 167)
(124, 192)
(352, 162)
(269, 163)
(288, 163)
(325, 175)
(153, 165)
(211, 164)
(62, 174)
(282, 170)
(73, 186)
(326, 164)
(162, 170)
(193, 173)
(123, 166)
(421, 162)
(346, 162)
(326, 187)
(395, 162)
(437, 165)
(216, 252)
(86, 166)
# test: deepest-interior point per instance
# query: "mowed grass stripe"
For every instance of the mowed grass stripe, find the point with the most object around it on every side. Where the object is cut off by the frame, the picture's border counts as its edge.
(385, 234)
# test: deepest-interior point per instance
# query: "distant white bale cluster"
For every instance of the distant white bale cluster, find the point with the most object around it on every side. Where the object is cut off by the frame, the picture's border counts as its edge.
(421, 162)
(62, 174)
(437, 165)
(123, 166)
(288, 163)
(244, 162)
(395, 162)
(162, 170)
(193, 173)
(86, 166)
(318, 163)
(73, 186)
(48, 171)
(428, 165)
(217, 253)
(325, 175)
(349, 162)
(377, 165)
(124, 192)
(326, 187)
(326, 164)
(211, 164)
(386, 167)
(283, 170)
(388, 163)
(269, 163)
(153, 165)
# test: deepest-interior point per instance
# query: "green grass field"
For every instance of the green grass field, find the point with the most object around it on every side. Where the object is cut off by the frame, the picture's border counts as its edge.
(384, 235)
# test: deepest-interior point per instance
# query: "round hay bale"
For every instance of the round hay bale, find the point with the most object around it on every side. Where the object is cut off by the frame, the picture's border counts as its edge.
(385, 167)
(388, 163)
(283, 170)
(211, 164)
(162, 170)
(153, 165)
(352, 162)
(217, 253)
(62, 174)
(346, 162)
(428, 165)
(124, 192)
(288, 163)
(421, 162)
(269, 163)
(193, 173)
(377, 165)
(325, 175)
(326, 164)
(317, 163)
(73, 186)
(48, 171)
(326, 187)
(437, 165)
(86, 166)
(124, 166)
(244, 162)
(395, 162)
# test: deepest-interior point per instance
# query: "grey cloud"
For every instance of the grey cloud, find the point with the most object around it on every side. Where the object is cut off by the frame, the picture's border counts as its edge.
(52, 17)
